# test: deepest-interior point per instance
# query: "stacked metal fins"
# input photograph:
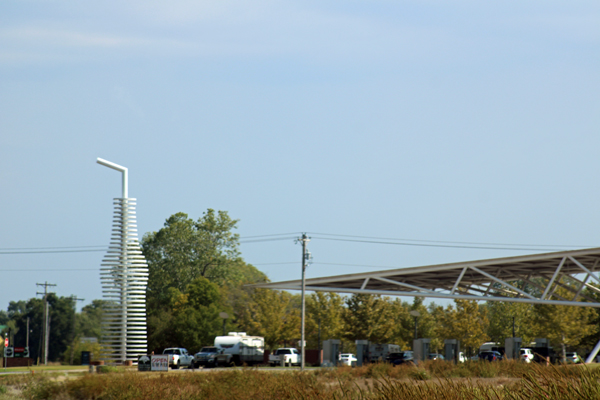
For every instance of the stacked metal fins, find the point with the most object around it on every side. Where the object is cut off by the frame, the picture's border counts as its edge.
(124, 277)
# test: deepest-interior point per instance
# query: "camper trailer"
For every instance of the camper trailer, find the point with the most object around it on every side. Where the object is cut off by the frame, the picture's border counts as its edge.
(237, 348)
(379, 352)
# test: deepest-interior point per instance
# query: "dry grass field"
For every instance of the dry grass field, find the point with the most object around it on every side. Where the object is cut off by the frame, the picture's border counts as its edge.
(431, 380)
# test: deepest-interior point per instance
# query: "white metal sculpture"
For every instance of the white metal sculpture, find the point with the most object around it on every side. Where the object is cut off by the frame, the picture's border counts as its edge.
(124, 277)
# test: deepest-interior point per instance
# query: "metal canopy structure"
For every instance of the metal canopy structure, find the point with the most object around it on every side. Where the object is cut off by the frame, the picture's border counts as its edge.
(526, 279)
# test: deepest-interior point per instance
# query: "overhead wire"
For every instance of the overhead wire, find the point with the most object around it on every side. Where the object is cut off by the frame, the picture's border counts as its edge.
(451, 242)
(321, 236)
(433, 245)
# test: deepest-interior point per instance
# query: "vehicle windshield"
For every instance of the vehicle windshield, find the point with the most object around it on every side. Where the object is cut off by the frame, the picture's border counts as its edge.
(171, 351)
(209, 350)
(284, 351)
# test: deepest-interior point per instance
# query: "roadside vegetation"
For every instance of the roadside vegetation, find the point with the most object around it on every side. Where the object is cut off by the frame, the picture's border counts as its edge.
(431, 380)
(197, 273)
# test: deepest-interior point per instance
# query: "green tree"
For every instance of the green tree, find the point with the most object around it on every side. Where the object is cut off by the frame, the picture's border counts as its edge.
(88, 321)
(467, 322)
(192, 319)
(4, 318)
(324, 318)
(87, 325)
(61, 327)
(184, 250)
(271, 314)
(425, 323)
(564, 326)
(593, 294)
(180, 253)
(369, 317)
(501, 316)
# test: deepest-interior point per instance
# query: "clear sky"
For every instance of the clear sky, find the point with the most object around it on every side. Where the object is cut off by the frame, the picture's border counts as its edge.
(456, 121)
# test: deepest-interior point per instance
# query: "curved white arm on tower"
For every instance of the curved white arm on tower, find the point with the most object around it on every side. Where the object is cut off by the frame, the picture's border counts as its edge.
(119, 168)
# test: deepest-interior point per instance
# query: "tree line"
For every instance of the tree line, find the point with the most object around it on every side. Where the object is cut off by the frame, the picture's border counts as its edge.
(196, 273)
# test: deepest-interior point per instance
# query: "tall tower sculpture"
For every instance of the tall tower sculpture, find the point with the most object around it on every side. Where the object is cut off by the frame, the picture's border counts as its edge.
(124, 277)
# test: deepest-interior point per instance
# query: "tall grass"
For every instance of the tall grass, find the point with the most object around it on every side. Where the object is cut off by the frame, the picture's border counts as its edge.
(432, 380)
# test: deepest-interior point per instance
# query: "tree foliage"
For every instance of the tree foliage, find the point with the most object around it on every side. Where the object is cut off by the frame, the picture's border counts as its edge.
(184, 250)
(564, 326)
(273, 315)
(467, 322)
(369, 317)
(195, 272)
(324, 318)
(502, 315)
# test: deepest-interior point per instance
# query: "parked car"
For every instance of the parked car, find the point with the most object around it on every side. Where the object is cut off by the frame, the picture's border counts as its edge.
(573, 358)
(436, 356)
(347, 359)
(403, 357)
(526, 355)
(179, 357)
(206, 357)
(490, 356)
(289, 355)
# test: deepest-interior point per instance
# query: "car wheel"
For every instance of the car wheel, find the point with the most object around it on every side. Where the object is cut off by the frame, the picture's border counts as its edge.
(177, 366)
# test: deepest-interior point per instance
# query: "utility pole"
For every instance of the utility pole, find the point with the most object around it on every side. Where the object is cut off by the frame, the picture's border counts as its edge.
(46, 319)
(305, 258)
(75, 299)
(27, 340)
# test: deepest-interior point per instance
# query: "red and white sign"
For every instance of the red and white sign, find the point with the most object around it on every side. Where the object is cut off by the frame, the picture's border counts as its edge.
(6, 342)
(159, 362)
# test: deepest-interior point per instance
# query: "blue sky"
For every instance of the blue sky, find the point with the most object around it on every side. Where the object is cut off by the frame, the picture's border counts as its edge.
(459, 121)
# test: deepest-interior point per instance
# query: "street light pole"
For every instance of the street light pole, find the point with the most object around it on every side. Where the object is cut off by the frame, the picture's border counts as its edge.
(224, 315)
(415, 314)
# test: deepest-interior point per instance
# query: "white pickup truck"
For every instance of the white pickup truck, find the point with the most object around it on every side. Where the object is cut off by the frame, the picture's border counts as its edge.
(288, 354)
(179, 357)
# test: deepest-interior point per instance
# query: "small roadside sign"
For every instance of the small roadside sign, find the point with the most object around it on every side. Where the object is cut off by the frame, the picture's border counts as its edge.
(5, 342)
(19, 352)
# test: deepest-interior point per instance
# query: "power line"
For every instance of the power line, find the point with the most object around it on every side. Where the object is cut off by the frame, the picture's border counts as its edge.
(358, 265)
(50, 269)
(323, 236)
(266, 240)
(434, 245)
(452, 242)
(51, 251)
(274, 234)
(277, 263)
(46, 248)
